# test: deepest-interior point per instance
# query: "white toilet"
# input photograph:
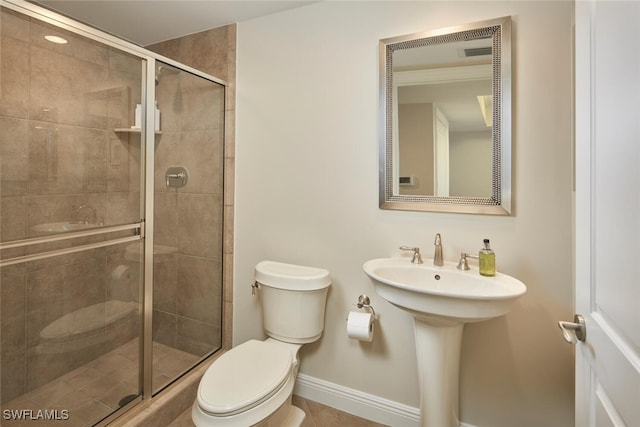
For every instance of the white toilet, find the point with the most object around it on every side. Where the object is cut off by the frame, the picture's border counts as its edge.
(252, 384)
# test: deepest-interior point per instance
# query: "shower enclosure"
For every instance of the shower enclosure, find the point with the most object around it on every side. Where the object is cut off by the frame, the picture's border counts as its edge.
(111, 191)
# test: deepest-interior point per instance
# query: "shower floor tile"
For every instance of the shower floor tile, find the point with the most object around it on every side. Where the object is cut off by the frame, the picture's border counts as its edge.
(87, 394)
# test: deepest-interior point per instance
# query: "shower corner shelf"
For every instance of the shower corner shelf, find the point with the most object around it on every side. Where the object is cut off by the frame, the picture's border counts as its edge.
(132, 130)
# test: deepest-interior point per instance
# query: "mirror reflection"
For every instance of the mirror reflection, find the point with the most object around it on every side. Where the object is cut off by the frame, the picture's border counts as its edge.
(445, 136)
(444, 120)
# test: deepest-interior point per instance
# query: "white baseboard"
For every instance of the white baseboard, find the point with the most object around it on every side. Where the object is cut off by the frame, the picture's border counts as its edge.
(358, 403)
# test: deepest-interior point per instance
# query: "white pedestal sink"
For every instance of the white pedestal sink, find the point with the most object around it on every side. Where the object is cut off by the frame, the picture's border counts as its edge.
(441, 300)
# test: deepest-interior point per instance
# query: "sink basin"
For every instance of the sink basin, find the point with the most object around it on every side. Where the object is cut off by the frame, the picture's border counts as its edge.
(443, 295)
(442, 300)
(61, 227)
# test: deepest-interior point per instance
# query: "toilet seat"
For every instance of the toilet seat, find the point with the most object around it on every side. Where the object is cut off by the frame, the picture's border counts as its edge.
(246, 376)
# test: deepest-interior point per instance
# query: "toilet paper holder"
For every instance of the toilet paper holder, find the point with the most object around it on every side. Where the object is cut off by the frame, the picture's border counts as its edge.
(365, 302)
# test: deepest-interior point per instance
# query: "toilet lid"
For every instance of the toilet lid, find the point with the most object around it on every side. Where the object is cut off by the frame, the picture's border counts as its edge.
(244, 377)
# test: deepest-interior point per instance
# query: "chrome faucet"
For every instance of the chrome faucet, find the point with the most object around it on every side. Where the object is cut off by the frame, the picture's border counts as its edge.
(417, 258)
(438, 259)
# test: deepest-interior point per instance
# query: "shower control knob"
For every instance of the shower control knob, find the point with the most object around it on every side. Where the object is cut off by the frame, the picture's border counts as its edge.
(176, 177)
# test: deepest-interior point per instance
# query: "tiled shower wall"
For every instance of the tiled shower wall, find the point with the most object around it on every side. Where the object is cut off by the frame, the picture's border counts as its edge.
(59, 108)
(188, 220)
(214, 52)
(59, 152)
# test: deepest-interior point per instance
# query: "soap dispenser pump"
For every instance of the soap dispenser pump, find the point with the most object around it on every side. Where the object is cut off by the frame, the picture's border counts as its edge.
(487, 260)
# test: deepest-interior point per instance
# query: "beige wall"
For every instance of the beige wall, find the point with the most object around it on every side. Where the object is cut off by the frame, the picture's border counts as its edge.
(470, 157)
(307, 174)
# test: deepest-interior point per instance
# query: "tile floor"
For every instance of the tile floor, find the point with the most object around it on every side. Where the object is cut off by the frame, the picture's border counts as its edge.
(317, 416)
(94, 390)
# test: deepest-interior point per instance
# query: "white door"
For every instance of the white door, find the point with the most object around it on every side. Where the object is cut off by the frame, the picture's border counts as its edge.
(607, 242)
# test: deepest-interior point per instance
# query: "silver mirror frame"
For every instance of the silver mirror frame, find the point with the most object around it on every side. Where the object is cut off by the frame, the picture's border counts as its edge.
(500, 201)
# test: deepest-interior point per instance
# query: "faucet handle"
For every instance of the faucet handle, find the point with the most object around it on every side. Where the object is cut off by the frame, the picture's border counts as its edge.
(463, 264)
(417, 258)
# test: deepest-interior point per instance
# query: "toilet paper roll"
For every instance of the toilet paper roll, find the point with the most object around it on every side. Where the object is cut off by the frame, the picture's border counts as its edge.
(360, 326)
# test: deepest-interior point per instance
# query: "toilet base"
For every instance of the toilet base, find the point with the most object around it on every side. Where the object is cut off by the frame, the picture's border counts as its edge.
(295, 418)
(287, 415)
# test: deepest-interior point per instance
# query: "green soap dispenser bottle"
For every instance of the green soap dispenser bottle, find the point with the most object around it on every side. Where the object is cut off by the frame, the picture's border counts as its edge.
(487, 260)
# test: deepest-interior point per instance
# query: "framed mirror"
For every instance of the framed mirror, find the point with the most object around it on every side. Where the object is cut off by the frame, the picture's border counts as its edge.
(445, 125)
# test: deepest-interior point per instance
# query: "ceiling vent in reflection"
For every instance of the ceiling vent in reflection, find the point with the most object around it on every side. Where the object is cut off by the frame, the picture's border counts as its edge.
(477, 51)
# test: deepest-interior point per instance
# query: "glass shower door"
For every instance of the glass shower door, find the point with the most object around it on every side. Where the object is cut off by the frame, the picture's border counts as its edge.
(188, 228)
(70, 225)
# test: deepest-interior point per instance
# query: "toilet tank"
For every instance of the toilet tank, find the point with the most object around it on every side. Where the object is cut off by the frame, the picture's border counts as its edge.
(293, 300)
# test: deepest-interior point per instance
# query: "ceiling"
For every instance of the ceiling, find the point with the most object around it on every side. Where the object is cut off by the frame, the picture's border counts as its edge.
(145, 22)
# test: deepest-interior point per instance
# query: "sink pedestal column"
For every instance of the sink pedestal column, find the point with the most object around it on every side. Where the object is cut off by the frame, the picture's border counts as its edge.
(438, 353)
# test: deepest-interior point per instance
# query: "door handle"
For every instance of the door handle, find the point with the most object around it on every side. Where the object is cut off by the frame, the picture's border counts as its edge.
(575, 331)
